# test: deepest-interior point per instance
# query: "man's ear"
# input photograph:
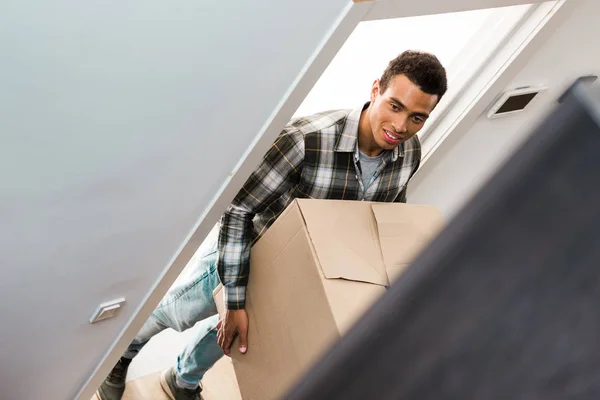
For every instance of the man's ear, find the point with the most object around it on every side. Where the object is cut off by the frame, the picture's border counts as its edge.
(374, 90)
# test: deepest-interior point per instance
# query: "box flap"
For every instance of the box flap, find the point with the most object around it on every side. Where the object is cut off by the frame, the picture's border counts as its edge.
(344, 236)
(404, 229)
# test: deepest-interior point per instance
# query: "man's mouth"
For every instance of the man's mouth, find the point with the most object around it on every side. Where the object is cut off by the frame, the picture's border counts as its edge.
(391, 137)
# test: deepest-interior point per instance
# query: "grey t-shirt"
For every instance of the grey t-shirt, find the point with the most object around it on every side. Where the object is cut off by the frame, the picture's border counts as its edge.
(369, 166)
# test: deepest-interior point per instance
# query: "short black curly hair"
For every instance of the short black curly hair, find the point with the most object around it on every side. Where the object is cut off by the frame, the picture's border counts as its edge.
(423, 69)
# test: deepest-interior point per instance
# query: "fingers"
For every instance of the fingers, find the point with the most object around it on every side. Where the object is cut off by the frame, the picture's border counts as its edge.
(221, 337)
(227, 340)
(234, 324)
(243, 333)
(225, 335)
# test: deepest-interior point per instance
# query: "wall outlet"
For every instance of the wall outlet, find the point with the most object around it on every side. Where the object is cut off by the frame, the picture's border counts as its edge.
(107, 310)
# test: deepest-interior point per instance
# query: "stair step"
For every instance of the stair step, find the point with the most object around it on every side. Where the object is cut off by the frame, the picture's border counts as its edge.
(219, 384)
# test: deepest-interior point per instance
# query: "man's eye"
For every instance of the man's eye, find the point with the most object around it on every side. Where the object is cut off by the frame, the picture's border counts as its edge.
(395, 107)
(418, 120)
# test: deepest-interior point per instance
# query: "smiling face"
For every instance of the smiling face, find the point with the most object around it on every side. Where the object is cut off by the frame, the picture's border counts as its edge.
(398, 113)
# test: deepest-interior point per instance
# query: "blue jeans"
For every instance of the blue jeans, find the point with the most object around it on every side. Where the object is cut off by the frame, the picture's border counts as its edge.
(189, 304)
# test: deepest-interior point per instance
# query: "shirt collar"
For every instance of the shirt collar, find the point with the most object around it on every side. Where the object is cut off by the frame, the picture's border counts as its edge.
(348, 142)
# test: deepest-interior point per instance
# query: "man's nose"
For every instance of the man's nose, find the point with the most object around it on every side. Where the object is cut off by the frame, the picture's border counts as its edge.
(399, 125)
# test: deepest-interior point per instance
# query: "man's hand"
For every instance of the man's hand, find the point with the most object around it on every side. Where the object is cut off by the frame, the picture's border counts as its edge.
(234, 323)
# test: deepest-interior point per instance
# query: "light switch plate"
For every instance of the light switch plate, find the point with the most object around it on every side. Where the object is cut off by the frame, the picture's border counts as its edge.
(107, 310)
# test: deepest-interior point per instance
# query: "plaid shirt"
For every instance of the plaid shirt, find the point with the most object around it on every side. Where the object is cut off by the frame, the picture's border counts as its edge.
(314, 157)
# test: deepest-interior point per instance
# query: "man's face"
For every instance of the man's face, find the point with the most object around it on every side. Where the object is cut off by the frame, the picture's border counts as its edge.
(398, 113)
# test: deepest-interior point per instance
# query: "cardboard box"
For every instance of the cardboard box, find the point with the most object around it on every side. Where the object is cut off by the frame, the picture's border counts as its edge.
(312, 274)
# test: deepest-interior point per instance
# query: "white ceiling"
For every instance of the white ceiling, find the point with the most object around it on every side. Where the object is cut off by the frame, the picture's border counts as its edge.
(120, 124)
(383, 9)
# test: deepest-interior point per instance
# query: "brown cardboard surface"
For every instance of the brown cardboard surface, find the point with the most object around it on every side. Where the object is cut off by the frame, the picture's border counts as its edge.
(313, 274)
(285, 280)
(344, 235)
(403, 232)
(349, 299)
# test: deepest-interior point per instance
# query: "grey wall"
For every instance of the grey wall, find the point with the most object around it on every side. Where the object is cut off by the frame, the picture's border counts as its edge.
(119, 122)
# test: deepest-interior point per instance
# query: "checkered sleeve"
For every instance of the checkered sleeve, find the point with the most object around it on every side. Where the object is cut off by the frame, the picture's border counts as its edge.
(277, 173)
(401, 197)
(415, 159)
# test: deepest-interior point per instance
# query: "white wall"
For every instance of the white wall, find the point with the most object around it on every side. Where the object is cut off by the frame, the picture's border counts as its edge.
(469, 157)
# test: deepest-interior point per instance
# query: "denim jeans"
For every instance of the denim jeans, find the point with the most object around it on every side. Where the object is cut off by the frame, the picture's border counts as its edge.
(189, 304)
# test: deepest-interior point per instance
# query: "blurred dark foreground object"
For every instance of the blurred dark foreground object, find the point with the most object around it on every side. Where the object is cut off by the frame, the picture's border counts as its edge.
(505, 303)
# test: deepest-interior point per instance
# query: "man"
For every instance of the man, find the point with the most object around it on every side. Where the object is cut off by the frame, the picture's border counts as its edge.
(365, 154)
